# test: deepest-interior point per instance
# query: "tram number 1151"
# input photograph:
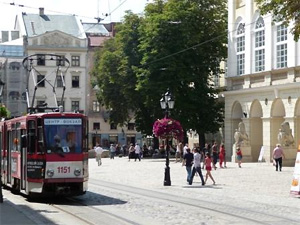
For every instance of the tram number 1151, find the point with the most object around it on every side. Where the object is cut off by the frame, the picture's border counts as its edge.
(63, 169)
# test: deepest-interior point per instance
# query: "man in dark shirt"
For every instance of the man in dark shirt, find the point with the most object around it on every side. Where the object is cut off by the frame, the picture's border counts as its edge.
(188, 162)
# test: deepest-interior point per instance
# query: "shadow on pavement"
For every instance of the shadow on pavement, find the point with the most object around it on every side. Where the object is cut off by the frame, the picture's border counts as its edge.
(89, 199)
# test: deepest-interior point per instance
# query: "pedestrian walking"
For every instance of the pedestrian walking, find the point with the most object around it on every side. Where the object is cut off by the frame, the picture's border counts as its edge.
(137, 150)
(215, 154)
(205, 150)
(239, 156)
(222, 156)
(196, 167)
(131, 152)
(188, 162)
(208, 163)
(112, 151)
(186, 146)
(98, 152)
(179, 151)
(277, 156)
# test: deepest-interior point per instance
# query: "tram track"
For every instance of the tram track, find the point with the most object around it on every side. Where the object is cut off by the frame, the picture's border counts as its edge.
(229, 211)
(92, 210)
(107, 203)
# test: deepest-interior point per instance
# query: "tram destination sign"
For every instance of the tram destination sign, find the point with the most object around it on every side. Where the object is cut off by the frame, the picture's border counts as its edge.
(35, 168)
(62, 121)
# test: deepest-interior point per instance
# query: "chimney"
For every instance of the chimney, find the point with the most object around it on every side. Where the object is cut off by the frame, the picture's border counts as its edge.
(41, 11)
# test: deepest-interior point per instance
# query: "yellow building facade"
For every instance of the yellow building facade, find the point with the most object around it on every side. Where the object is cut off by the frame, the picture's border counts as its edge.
(263, 85)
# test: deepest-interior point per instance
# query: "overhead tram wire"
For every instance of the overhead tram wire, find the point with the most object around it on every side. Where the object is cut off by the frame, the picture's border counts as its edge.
(63, 13)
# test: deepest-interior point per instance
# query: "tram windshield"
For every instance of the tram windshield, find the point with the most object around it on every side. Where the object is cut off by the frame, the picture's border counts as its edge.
(63, 135)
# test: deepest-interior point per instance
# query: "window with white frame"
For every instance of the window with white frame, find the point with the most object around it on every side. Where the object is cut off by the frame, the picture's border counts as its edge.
(240, 49)
(75, 60)
(40, 102)
(281, 46)
(41, 80)
(259, 45)
(60, 61)
(96, 126)
(75, 81)
(75, 106)
(96, 106)
(59, 80)
(59, 103)
(41, 60)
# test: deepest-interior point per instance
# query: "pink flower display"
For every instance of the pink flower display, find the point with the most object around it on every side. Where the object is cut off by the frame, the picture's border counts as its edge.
(168, 128)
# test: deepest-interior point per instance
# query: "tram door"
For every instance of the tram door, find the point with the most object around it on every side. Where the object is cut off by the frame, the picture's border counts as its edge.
(8, 156)
(22, 138)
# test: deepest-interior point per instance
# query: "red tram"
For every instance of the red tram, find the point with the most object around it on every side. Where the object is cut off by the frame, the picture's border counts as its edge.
(45, 153)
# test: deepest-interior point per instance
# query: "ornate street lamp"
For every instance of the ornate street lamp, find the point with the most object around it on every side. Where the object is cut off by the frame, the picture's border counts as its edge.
(1, 194)
(167, 103)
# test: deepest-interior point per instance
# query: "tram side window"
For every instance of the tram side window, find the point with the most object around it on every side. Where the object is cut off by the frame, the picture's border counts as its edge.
(41, 146)
(12, 140)
(1, 148)
(17, 140)
(31, 136)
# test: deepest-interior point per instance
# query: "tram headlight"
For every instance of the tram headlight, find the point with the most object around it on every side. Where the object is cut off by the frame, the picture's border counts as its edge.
(77, 172)
(50, 172)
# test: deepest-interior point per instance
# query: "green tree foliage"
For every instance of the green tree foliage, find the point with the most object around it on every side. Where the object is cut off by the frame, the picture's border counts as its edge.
(177, 44)
(283, 11)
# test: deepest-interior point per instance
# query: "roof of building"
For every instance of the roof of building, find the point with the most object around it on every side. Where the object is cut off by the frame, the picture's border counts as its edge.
(95, 28)
(36, 24)
(96, 41)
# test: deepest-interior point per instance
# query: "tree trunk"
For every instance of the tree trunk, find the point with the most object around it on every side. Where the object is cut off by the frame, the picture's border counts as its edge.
(201, 140)
(155, 143)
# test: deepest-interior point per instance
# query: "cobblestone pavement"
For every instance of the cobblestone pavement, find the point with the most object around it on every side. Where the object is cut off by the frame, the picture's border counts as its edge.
(133, 193)
(254, 186)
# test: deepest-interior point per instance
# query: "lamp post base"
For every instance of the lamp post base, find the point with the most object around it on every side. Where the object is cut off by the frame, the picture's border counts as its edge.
(167, 181)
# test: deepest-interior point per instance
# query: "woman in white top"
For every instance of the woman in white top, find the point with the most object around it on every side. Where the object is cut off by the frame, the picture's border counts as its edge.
(98, 151)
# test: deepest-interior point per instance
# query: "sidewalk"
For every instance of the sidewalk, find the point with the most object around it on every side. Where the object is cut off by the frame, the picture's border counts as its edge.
(11, 214)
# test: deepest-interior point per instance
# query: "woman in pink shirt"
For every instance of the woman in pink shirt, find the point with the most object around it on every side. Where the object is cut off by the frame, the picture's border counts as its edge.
(208, 163)
(277, 156)
(222, 156)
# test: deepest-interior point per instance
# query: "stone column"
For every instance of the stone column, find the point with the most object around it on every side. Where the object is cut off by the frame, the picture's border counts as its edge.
(228, 137)
(267, 138)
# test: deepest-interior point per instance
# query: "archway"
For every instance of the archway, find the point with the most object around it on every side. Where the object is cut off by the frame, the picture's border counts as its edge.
(236, 116)
(256, 129)
(277, 118)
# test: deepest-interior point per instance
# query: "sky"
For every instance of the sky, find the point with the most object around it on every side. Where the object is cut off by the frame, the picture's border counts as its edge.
(86, 10)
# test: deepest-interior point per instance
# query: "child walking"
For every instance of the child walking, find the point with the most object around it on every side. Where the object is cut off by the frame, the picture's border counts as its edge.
(208, 163)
